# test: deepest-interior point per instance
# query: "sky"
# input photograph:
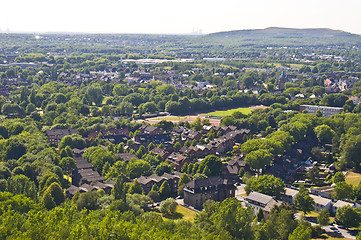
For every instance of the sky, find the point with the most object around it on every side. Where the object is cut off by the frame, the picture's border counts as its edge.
(176, 17)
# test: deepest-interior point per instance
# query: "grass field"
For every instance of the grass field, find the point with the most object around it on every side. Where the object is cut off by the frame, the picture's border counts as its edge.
(181, 213)
(229, 112)
(170, 118)
(353, 178)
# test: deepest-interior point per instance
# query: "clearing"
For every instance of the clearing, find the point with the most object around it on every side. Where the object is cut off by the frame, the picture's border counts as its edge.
(353, 178)
(181, 213)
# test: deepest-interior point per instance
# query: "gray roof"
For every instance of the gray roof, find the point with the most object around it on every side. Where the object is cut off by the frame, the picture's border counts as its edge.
(320, 200)
(290, 192)
(259, 197)
(207, 182)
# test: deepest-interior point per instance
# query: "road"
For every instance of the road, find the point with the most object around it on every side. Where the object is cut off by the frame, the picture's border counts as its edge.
(351, 234)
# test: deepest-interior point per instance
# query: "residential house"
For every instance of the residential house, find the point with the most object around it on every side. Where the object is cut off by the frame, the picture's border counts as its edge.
(198, 191)
(289, 195)
(325, 191)
(115, 136)
(78, 152)
(84, 173)
(231, 169)
(321, 203)
(341, 203)
(126, 156)
(151, 130)
(261, 202)
(326, 111)
(148, 182)
(158, 151)
(178, 160)
(55, 135)
(145, 139)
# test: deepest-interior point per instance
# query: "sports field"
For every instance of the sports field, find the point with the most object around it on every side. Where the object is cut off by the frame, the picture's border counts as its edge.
(229, 112)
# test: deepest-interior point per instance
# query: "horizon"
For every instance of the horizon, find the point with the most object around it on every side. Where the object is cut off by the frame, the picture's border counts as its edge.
(176, 18)
(185, 34)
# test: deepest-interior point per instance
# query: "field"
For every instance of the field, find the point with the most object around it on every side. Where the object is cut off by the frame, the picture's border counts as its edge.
(181, 213)
(170, 118)
(353, 178)
(229, 112)
(213, 117)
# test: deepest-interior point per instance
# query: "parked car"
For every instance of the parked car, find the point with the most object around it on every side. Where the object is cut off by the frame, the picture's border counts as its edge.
(337, 232)
(333, 228)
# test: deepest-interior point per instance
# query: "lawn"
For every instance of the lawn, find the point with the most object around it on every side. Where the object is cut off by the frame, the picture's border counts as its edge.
(229, 112)
(181, 213)
(353, 178)
(170, 118)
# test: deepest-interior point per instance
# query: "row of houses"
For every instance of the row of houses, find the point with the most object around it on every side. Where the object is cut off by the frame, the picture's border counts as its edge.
(148, 182)
(262, 202)
(85, 179)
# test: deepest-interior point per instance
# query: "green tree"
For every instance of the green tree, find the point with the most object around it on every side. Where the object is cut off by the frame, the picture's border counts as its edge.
(135, 187)
(230, 217)
(301, 233)
(14, 149)
(177, 146)
(266, 184)
(164, 190)
(118, 190)
(324, 133)
(184, 179)
(168, 206)
(48, 201)
(258, 159)
(151, 146)
(94, 94)
(323, 218)
(343, 190)
(351, 151)
(338, 177)
(213, 163)
(138, 168)
(154, 195)
(348, 216)
(56, 192)
(67, 164)
(303, 201)
(163, 168)
(20, 184)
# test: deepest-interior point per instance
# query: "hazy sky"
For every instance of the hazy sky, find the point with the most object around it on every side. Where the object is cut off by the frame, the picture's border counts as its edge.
(161, 16)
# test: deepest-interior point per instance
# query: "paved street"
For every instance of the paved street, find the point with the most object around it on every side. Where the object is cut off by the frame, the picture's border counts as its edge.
(351, 234)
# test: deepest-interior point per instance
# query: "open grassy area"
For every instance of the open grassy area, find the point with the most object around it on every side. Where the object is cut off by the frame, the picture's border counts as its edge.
(181, 213)
(353, 178)
(229, 112)
(186, 212)
(170, 118)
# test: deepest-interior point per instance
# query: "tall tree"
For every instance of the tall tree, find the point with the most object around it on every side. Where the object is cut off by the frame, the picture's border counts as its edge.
(348, 216)
(323, 218)
(303, 201)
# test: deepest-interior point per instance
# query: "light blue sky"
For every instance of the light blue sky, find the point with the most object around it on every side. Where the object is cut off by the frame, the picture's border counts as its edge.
(161, 16)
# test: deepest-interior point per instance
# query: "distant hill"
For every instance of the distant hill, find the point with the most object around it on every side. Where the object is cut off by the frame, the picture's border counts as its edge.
(290, 36)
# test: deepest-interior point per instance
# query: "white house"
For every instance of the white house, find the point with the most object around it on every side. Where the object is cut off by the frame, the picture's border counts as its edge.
(289, 195)
(321, 203)
(341, 203)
